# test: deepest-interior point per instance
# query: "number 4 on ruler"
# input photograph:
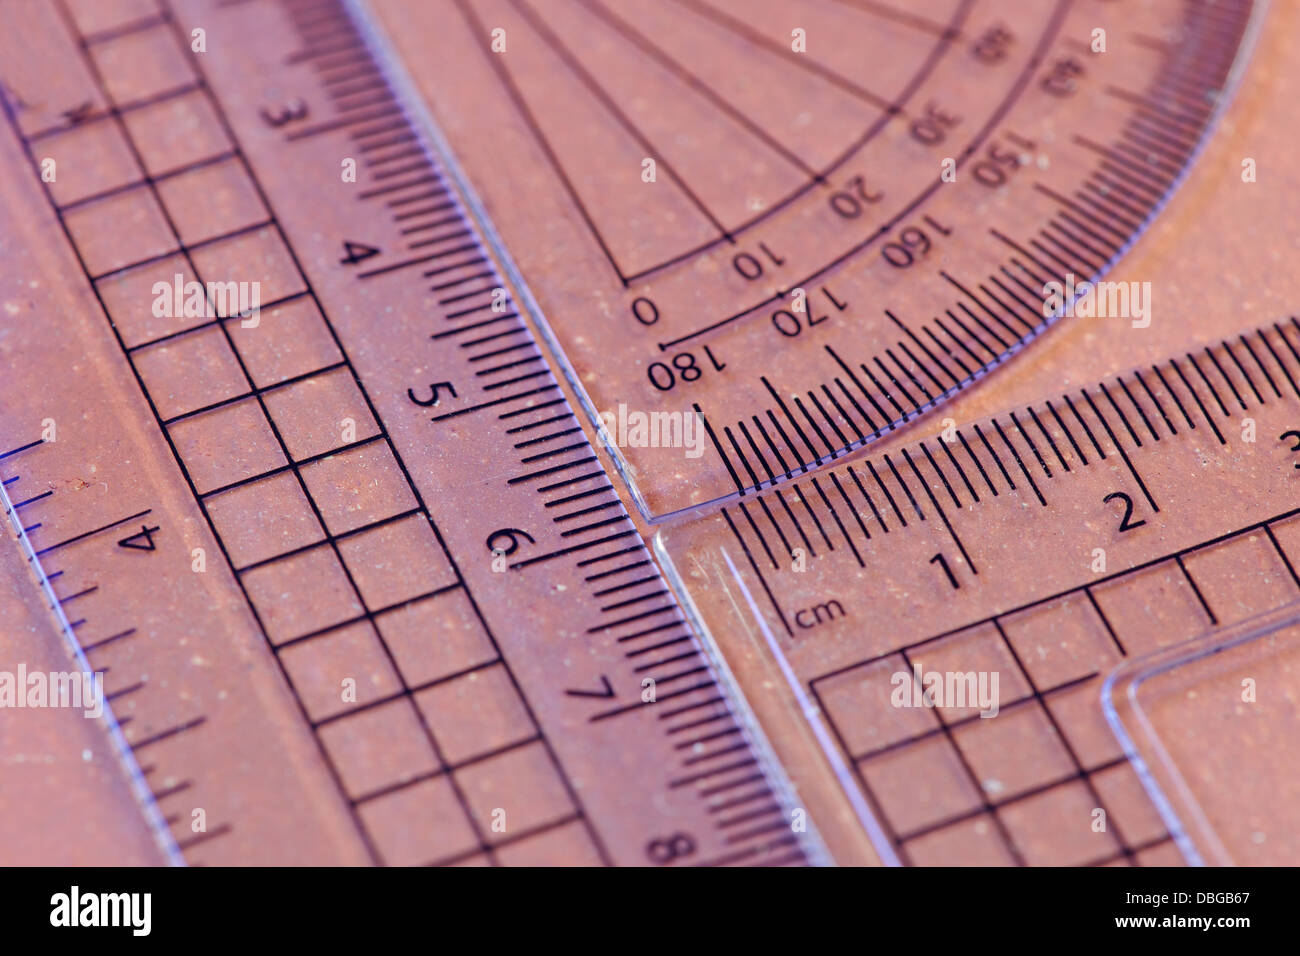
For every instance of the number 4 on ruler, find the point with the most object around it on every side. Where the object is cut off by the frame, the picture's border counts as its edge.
(142, 540)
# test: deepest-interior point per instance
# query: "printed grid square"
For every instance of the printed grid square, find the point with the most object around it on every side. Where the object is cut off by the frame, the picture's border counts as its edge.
(264, 519)
(1130, 810)
(95, 16)
(1014, 752)
(568, 845)
(358, 487)
(1152, 608)
(435, 638)
(1078, 713)
(475, 714)
(973, 842)
(320, 413)
(211, 200)
(226, 445)
(1055, 827)
(131, 299)
(301, 594)
(318, 669)
(377, 748)
(1241, 577)
(920, 784)
(1061, 641)
(176, 132)
(190, 372)
(858, 704)
(397, 561)
(523, 783)
(1287, 534)
(97, 229)
(978, 651)
(289, 340)
(420, 824)
(89, 159)
(257, 257)
(142, 64)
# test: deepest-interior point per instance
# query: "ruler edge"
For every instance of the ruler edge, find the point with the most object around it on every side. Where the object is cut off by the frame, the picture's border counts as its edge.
(143, 796)
(434, 141)
(1130, 671)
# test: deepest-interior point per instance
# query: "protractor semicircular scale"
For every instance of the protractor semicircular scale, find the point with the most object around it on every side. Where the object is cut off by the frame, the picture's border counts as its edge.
(757, 244)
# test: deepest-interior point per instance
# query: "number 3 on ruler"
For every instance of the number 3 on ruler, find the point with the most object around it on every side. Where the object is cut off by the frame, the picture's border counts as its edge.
(1295, 435)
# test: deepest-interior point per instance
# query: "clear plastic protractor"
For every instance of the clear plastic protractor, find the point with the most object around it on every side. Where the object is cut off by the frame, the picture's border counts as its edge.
(805, 224)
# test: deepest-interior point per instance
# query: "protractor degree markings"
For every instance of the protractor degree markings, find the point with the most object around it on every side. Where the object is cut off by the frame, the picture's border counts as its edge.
(1013, 95)
(656, 52)
(1068, 244)
(897, 109)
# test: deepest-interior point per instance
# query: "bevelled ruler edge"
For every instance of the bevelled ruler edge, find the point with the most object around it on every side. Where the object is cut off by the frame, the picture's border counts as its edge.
(435, 142)
(808, 710)
(1215, 637)
(135, 779)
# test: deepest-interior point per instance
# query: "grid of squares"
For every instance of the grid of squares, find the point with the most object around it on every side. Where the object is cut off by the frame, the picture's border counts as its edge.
(1025, 787)
(419, 718)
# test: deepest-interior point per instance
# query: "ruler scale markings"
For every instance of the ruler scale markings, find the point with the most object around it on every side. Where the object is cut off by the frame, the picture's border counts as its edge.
(1007, 606)
(1128, 463)
(94, 281)
(1046, 469)
(347, 94)
(590, 459)
(1069, 237)
(190, 843)
(589, 527)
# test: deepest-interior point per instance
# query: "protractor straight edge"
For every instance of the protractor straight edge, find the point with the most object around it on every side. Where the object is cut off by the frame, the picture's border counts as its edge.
(836, 305)
(266, 514)
(1055, 559)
